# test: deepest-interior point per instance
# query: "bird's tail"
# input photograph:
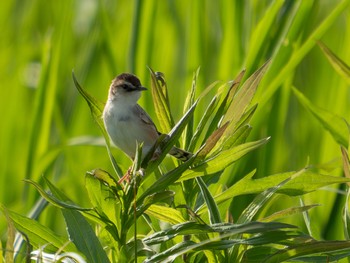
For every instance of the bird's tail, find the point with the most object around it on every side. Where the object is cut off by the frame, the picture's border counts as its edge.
(180, 154)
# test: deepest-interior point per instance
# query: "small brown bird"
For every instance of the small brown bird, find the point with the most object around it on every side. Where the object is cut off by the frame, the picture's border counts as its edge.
(127, 123)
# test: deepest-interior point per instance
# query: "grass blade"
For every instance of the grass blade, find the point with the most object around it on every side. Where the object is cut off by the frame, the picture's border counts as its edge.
(339, 65)
(331, 122)
(222, 160)
(38, 234)
(161, 102)
(213, 210)
(169, 141)
(96, 108)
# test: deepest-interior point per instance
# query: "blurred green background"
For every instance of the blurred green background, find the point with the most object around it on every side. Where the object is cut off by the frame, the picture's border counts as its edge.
(47, 129)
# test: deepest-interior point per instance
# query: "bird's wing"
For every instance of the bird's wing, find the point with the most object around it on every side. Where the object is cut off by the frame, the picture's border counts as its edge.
(145, 118)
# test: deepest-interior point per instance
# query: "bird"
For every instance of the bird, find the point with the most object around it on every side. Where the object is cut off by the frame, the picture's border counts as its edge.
(127, 123)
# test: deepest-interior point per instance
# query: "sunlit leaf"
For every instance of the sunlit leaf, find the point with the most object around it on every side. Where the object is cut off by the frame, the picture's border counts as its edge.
(211, 141)
(242, 99)
(84, 237)
(169, 141)
(213, 210)
(313, 247)
(80, 231)
(102, 199)
(287, 212)
(39, 234)
(331, 122)
(161, 102)
(54, 200)
(203, 121)
(339, 65)
(305, 183)
(222, 160)
(165, 214)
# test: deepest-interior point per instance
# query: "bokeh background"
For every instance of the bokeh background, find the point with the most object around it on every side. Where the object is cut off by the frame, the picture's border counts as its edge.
(46, 127)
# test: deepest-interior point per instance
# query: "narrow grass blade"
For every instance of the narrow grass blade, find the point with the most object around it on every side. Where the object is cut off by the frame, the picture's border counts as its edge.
(53, 199)
(308, 248)
(339, 65)
(261, 199)
(346, 162)
(222, 113)
(166, 180)
(84, 237)
(212, 141)
(168, 142)
(222, 160)
(243, 98)
(238, 137)
(215, 243)
(96, 108)
(10, 242)
(80, 231)
(190, 99)
(331, 122)
(276, 80)
(161, 102)
(38, 234)
(346, 216)
(37, 146)
(213, 210)
(203, 121)
(305, 183)
(287, 212)
(259, 38)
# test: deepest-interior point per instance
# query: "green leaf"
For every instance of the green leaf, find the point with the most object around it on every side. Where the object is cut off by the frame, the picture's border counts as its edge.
(242, 99)
(211, 142)
(274, 81)
(339, 65)
(83, 236)
(346, 216)
(190, 99)
(252, 209)
(161, 102)
(261, 33)
(203, 121)
(226, 230)
(222, 160)
(38, 234)
(308, 248)
(96, 108)
(165, 214)
(225, 104)
(167, 179)
(346, 162)
(169, 141)
(53, 199)
(331, 122)
(287, 212)
(305, 183)
(102, 199)
(213, 210)
(79, 230)
(215, 243)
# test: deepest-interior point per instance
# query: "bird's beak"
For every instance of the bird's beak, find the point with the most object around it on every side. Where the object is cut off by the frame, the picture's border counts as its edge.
(141, 88)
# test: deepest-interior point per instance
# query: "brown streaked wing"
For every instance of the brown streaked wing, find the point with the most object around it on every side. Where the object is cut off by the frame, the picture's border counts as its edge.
(145, 117)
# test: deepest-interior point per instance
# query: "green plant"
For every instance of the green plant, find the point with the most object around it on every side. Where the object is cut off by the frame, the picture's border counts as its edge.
(180, 211)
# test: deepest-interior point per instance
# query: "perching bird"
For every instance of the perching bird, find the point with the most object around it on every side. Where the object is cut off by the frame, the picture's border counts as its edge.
(127, 123)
